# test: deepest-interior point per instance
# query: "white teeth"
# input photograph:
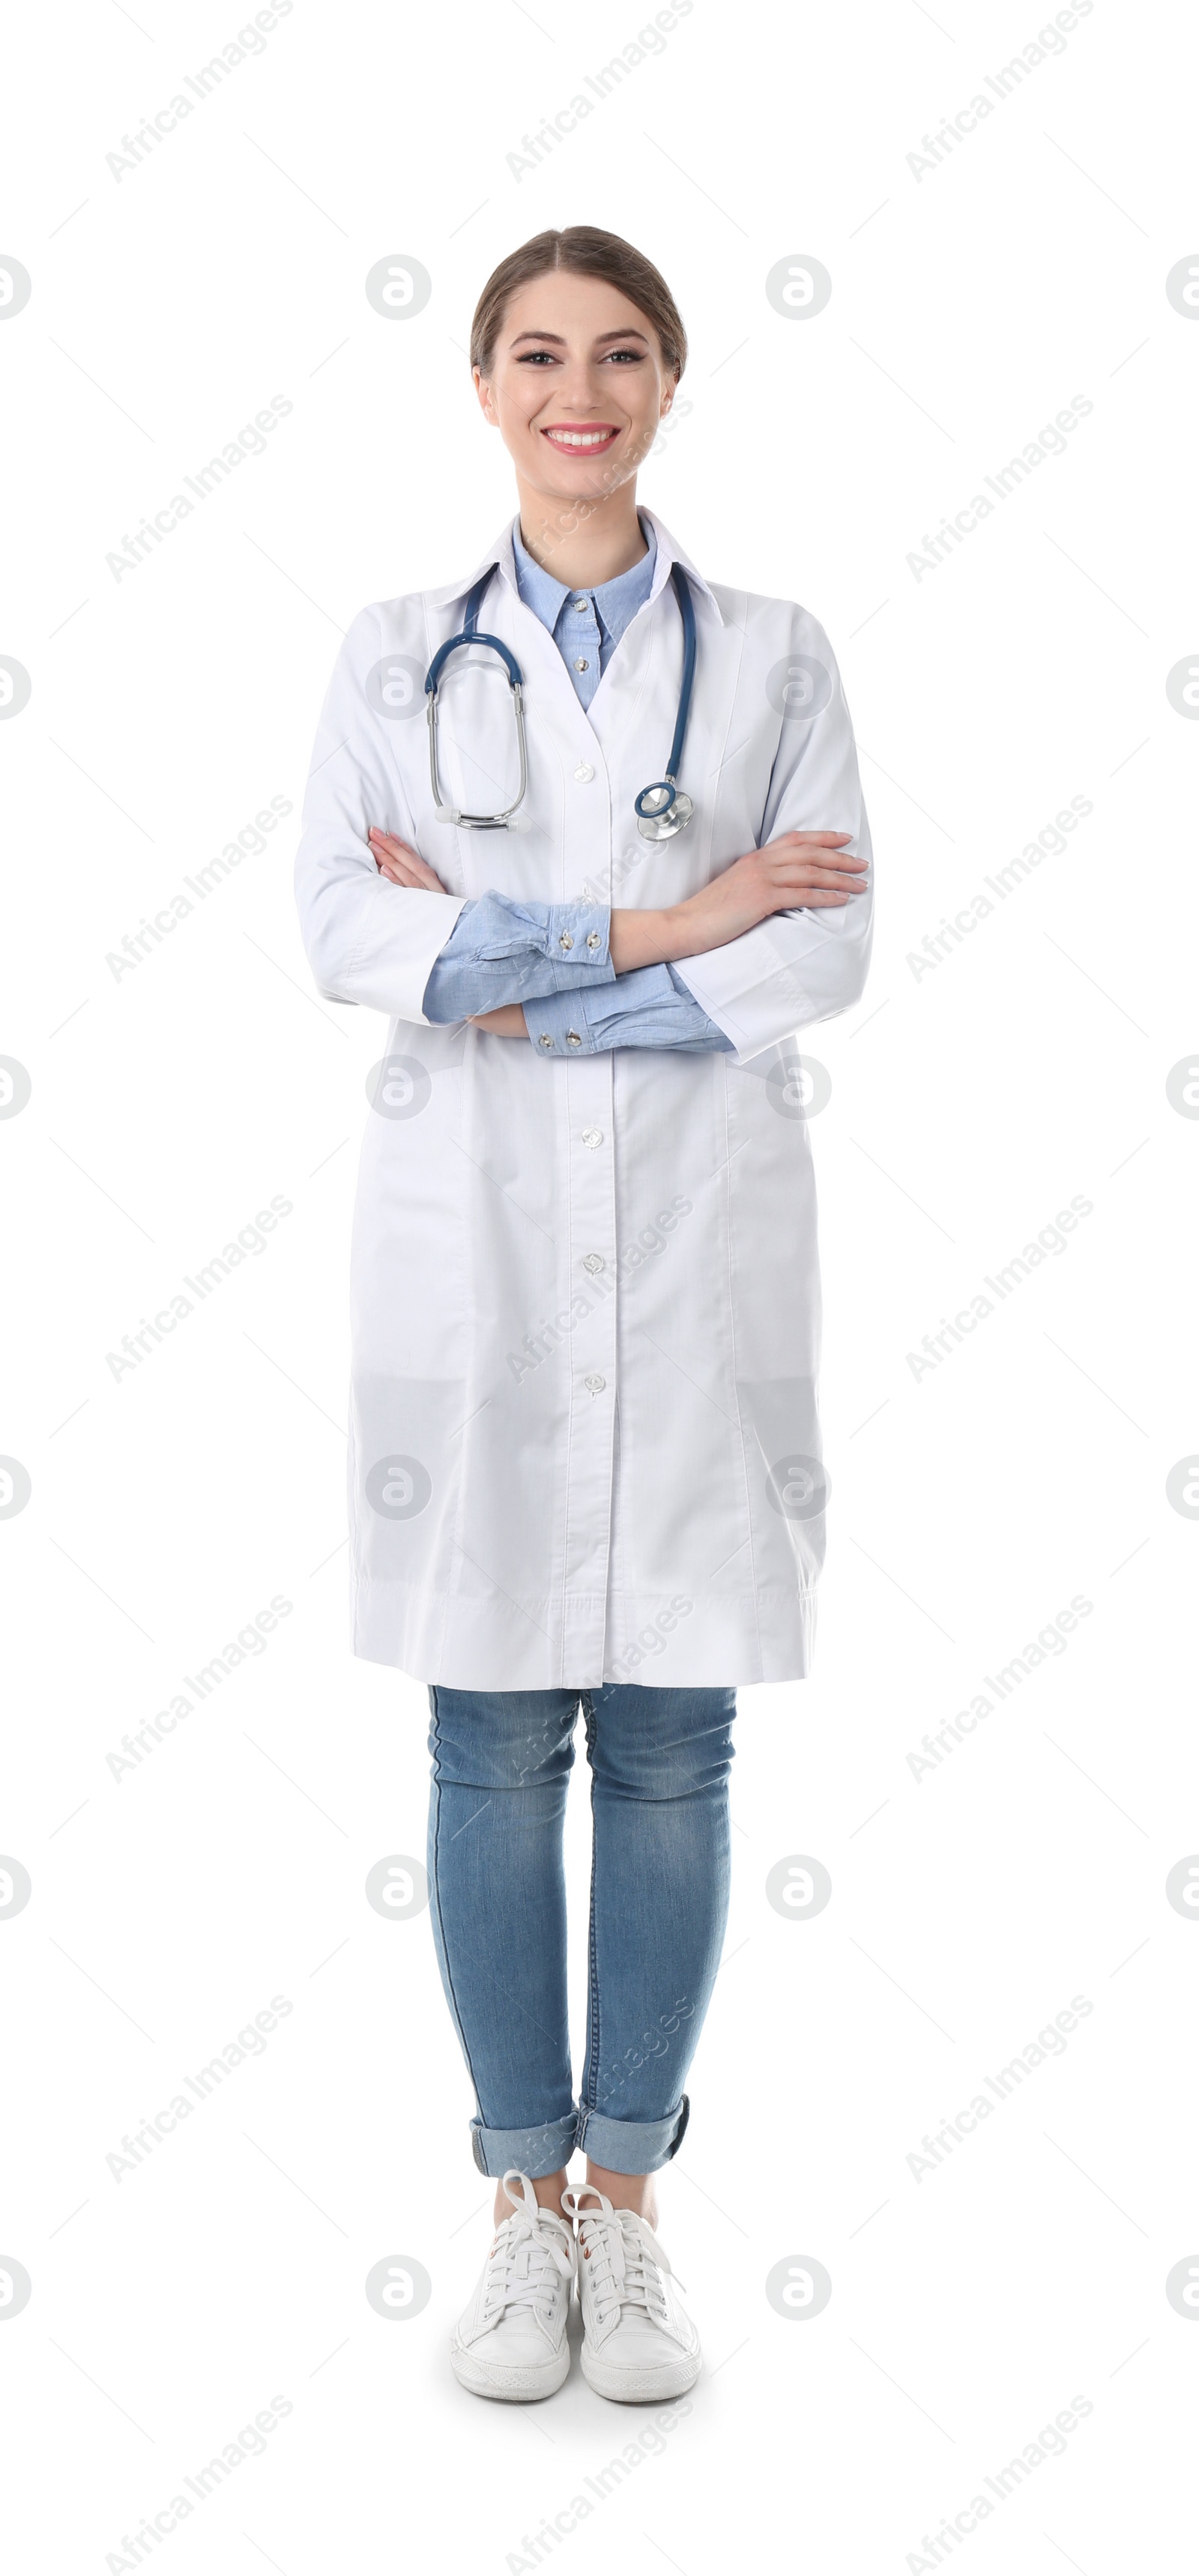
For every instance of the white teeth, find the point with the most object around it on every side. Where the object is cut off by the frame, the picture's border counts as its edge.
(579, 437)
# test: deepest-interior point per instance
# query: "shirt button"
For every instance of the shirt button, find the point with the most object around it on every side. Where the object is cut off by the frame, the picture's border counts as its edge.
(584, 773)
(593, 939)
(573, 1038)
(545, 1039)
(582, 666)
(566, 941)
(593, 1261)
(595, 1385)
(593, 1136)
(580, 603)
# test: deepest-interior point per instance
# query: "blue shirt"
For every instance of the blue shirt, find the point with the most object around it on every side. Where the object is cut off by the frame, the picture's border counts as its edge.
(553, 958)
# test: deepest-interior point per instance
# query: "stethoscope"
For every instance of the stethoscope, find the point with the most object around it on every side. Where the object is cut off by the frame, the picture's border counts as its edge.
(661, 810)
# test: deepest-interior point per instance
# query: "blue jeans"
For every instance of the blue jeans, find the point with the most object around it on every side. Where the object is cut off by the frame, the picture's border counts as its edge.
(659, 1900)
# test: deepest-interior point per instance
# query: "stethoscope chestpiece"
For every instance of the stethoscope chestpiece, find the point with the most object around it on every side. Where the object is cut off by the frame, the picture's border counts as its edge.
(662, 810)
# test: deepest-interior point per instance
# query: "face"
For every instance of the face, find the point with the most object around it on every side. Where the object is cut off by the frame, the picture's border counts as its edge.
(577, 386)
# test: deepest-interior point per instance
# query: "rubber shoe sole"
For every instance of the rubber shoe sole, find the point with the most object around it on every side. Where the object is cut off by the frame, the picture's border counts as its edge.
(521, 2386)
(642, 2387)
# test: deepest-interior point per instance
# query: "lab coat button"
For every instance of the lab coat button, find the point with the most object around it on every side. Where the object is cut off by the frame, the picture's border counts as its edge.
(573, 1038)
(593, 1261)
(566, 941)
(584, 773)
(593, 1136)
(595, 1385)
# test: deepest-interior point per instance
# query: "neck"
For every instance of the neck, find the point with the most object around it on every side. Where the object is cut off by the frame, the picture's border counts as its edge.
(582, 543)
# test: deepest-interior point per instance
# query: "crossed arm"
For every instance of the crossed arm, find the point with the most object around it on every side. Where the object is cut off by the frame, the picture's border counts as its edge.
(799, 871)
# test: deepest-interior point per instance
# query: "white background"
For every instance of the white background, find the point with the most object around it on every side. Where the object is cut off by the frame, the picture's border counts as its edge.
(970, 1102)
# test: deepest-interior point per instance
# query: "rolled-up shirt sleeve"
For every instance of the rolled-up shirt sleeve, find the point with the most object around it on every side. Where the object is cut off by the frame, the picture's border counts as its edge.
(501, 950)
(650, 1007)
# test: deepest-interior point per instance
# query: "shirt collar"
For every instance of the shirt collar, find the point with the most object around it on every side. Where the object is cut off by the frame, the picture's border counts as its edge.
(616, 601)
(668, 553)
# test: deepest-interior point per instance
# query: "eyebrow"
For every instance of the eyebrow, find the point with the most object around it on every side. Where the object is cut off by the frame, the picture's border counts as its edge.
(559, 343)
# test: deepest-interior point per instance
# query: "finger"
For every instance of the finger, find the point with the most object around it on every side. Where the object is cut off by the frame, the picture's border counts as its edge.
(391, 844)
(818, 840)
(823, 871)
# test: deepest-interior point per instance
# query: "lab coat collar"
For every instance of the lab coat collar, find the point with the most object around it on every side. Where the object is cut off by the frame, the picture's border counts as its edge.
(501, 554)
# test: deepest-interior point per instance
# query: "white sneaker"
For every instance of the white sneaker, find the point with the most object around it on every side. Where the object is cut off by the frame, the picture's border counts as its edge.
(638, 2342)
(511, 2340)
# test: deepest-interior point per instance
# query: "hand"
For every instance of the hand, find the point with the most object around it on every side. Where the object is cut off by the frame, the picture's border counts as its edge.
(801, 870)
(404, 866)
(507, 1022)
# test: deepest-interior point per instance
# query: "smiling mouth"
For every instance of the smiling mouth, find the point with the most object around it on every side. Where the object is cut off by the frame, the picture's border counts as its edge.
(580, 442)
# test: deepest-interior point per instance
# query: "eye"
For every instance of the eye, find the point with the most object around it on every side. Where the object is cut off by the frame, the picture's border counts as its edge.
(534, 357)
(637, 355)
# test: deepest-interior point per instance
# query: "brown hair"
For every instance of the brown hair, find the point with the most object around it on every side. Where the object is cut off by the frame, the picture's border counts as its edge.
(583, 252)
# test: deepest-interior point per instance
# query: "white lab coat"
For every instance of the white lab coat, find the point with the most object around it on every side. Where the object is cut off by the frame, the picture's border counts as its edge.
(586, 1304)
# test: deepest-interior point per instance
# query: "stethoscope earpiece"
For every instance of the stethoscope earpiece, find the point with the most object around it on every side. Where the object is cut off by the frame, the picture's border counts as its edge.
(661, 810)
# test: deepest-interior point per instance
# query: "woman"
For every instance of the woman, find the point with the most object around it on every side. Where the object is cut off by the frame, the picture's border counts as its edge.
(585, 1455)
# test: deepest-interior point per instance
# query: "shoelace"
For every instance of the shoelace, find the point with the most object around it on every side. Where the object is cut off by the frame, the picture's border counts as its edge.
(526, 2253)
(627, 2262)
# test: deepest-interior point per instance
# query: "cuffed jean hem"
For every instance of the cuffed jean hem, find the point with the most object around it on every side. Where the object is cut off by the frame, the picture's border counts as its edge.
(631, 2146)
(535, 2152)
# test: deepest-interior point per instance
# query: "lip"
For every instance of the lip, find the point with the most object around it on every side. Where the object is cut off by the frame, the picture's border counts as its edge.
(580, 438)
